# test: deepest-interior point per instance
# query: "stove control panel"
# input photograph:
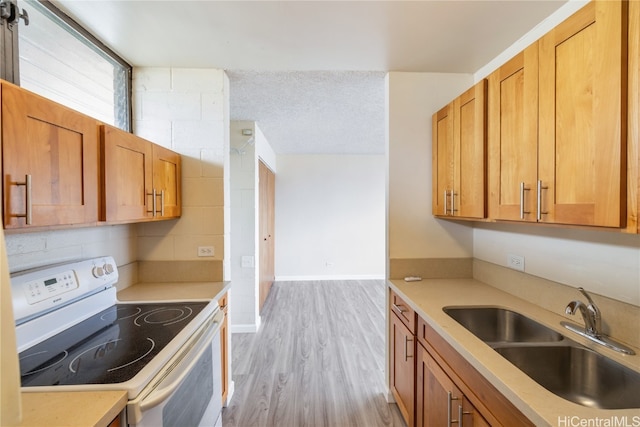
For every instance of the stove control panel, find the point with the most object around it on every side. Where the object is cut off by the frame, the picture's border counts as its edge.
(47, 287)
(36, 292)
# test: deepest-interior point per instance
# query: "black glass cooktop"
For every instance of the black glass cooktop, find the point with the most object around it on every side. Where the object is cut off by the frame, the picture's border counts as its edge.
(109, 347)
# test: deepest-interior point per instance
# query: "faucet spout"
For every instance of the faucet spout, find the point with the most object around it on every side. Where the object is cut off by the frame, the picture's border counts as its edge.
(590, 314)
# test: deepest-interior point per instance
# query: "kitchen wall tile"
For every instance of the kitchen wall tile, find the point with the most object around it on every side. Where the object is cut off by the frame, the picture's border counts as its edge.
(191, 163)
(202, 192)
(27, 260)
(197, 80)
(213, 162)
(157, 131)
(156, 248)
(169, 106)
(180, 271)
(152, 79)
(190, 134)
(157, 228)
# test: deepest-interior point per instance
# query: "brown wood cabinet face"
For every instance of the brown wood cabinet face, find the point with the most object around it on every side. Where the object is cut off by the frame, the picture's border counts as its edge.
(582, 117)
(266, 197)
(633, 115)
(442, 160)
(470, 153)
(128, 176)
(140, 178)
(167, 176)
(438, 401)
(402, 364)
(513, 137)
(58, 148)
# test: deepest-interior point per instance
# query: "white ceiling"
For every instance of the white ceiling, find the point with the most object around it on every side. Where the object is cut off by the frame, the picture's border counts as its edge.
(311, 73)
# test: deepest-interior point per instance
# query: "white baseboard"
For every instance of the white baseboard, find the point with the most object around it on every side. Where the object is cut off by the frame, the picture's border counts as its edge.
(330, 277)
(244, 329)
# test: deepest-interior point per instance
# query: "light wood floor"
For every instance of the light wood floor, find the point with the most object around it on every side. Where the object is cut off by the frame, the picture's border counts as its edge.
(317, 360)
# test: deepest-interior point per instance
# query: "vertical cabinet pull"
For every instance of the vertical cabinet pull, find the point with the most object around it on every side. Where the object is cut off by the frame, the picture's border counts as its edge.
(540, 212)
(461, 414)
(522, 190)
(162, 203)
(406, 342)
(450, 399)
(453, 202)
(445, 201)
(28, 213)
(154, 196)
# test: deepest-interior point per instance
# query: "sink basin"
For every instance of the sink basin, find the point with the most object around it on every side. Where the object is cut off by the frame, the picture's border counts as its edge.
(578, 374)
(496, 325)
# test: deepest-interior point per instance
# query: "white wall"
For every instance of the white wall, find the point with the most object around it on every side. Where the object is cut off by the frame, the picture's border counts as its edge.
(329, 217)
(413, 232)
(187, 111)
(607, 263)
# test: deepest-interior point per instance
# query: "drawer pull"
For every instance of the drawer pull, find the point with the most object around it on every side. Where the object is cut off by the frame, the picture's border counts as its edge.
(399, 309)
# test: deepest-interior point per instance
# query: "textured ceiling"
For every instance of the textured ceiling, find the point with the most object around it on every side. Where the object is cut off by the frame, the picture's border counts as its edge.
(316, 68)
(318, 112)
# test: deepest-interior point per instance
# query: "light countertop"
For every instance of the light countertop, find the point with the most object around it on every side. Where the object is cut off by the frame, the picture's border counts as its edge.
(174, 291)
(543, 408)
(72, 409)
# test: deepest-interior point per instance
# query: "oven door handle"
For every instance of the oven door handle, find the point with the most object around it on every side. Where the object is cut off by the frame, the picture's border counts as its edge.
(204, 341)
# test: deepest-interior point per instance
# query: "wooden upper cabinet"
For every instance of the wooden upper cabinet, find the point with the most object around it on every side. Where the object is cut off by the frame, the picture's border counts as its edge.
(633, 123)
(470, 152)
(167, 182)
(442, 160)
(582, 118)
(513, 137)
(459, 156)
(128, 175)
(141, 179)
(50, 162)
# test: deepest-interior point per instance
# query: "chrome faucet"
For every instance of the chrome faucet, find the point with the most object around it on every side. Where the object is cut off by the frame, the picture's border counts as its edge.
(590, 314)
(592, 319)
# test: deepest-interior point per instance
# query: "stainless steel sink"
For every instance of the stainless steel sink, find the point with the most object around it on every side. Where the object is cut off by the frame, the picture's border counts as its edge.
(578, 374)
(496, 325)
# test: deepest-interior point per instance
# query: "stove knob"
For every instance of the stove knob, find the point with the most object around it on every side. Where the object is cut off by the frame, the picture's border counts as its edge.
(97, 271)
(108, 268)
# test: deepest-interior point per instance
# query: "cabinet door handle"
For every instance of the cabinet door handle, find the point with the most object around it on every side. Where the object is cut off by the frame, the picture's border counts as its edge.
(453, 202)
(153, 202)
(522, 190)
(162, 203)
(461, 414)
(540, 212)
(28, 215)
(406, 341)
(450, 398)
(445, 201)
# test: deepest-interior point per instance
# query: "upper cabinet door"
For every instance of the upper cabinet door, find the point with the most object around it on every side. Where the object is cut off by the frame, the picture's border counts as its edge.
(128, 187)
(582, 118)
(50, 162)
(442, 161)
(470, 152)
(513, 137)
(167, 182)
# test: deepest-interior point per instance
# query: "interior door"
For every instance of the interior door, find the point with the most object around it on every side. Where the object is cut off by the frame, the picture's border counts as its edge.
(266, 212)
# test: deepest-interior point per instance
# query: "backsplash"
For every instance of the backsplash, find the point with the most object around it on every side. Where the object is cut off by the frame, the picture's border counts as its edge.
(619, 319)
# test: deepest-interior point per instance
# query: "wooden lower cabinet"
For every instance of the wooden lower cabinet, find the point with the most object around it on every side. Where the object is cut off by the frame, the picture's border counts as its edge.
(402, 367)
(442, 370)
(439, 402)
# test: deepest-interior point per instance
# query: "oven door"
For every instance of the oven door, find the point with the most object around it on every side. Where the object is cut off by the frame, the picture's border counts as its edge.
(188, 391)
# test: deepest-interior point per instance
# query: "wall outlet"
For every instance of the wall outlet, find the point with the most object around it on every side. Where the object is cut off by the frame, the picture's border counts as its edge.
(205, 251)
(515, 261)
